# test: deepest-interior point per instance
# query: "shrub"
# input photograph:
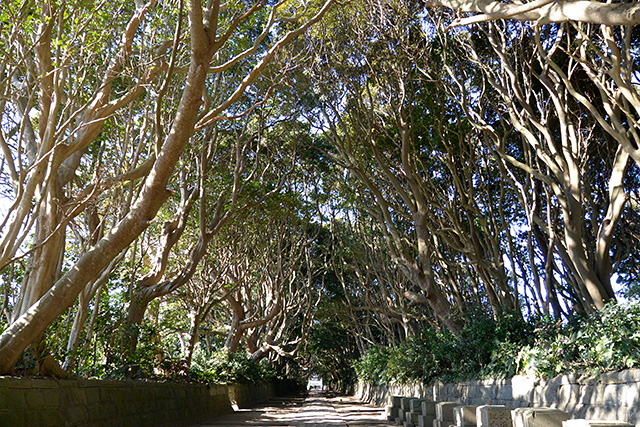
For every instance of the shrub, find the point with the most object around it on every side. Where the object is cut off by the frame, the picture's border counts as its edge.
(221, 367)
(609, 340)
(479, 350)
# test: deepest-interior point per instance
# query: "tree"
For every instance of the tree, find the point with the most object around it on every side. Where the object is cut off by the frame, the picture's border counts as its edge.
(560, 149)
(65, 133)
(544, 11)
(420, 169)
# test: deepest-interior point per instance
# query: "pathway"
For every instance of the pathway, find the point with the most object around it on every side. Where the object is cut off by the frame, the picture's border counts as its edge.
(316, 410)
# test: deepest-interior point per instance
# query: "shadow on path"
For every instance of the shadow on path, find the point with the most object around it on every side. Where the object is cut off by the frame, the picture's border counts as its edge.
(316, 410)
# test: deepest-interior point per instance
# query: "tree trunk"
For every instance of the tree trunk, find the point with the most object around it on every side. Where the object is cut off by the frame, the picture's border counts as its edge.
(617, 200)
(194, 329)
(42, 313)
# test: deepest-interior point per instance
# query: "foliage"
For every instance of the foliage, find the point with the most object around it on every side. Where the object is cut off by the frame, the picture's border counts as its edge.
(440, 355)
(333, 351)
(608, 340)
(222, 367)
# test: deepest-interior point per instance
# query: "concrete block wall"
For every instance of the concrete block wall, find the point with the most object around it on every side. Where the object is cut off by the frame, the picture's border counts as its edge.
(49, 402)
(612, 396)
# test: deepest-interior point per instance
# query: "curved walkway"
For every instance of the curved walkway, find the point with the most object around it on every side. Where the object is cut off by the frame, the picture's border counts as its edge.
(316, 410)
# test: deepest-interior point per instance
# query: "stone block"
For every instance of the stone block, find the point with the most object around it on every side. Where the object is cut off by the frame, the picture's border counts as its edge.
(396, 401)
(44, 383)
(426, 420)
(622, 377)
(411, 420)
(465, 415)
(44, 398)
(15, 382)
(493, 416)
(95, 413)
(444, 410)
(13, 399)
(585, 394)
(568, 394)
(415, 405)
(522, 388)
(629, 395)
(93, 394)
(79, 396)
(538, 417)
(505, 392)
(405, 402)
(588, 380)
(69, 384)
(633, 416)
(549, 395)
(485, 393)
(610, 395)
(392, 412)
(76, 415)
(428, 408)
(13, 418)
(44, 418)
(594, 423)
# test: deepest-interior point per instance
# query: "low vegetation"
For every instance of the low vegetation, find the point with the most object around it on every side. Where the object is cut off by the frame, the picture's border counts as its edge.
(606, 341)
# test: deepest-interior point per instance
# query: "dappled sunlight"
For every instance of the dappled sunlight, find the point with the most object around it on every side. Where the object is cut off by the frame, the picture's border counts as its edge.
(318, 409)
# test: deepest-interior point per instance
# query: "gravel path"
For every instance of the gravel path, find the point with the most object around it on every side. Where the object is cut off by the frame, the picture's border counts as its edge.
(316, 410)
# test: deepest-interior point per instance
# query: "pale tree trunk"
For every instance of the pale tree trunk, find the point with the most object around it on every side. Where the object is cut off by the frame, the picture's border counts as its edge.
(151, 287)
(240, 309)
(55, 165)
(544, 11)
(63, 293)
(235, 333)
(91, 291)
(45, 261)
(194, 328)
(617, 199)
(558, 155)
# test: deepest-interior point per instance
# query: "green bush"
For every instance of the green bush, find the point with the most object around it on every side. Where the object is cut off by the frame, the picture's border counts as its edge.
(479, 350)
(373, 367)
(609, 340)
(221, 367)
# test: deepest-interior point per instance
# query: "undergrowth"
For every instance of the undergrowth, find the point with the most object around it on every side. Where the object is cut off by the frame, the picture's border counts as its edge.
(606, 341)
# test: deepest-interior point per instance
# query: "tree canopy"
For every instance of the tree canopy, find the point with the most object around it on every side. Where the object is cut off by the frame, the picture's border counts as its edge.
(294, 185)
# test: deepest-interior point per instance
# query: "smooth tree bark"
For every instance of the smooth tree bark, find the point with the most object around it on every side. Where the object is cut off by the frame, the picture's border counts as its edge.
(606, 57)
(543, 11)
(286, 334)
(422, 175)
(247, 163)
(267, 280)
(535, 97)
(45, 163)
(247, 159)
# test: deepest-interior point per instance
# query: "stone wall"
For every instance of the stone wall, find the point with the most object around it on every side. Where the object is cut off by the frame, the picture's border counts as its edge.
(247, 395)
(614, 396)
(49, 402)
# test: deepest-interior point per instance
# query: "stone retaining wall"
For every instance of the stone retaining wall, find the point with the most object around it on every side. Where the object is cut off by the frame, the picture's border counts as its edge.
(247, 395)
(614, 396)
(49, 402)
